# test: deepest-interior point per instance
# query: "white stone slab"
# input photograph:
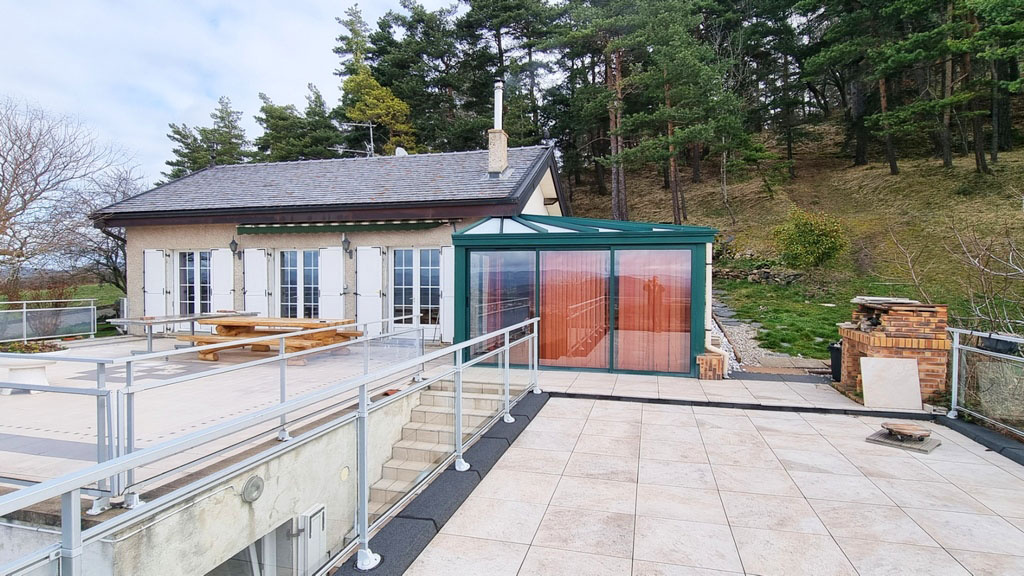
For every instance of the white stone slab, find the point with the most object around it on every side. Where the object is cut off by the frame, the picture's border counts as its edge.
(891, 383)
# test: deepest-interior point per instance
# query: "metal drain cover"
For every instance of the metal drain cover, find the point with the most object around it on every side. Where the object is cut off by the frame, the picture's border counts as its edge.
(923, 446)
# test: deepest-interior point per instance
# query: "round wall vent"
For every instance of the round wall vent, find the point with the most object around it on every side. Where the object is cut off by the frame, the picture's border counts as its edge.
(253, 489)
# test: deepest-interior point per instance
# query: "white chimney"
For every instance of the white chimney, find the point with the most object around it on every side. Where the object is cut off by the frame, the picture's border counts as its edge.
(497, 140)
(499, 93)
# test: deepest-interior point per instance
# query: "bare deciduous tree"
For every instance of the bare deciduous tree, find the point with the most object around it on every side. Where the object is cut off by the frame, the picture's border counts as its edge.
(994, 283)
(101, 251)
(909, 264)
(44, 159)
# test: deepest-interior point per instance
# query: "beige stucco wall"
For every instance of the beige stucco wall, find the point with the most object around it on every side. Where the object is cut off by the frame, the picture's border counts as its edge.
(211, 236)
(210, 526)
(545, 191)
(206, 237)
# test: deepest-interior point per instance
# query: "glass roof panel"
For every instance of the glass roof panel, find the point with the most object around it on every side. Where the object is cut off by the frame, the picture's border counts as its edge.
(489, 226)
(510, 226)
(552, 228)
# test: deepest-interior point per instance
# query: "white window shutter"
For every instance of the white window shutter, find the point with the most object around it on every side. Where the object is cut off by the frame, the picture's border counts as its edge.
(255, 274)
(154, 285)
(369, 287)
(332, 283)
(447, 293)
(222, 280)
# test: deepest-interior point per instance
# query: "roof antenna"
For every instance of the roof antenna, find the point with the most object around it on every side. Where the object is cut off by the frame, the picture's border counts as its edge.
(213, 154)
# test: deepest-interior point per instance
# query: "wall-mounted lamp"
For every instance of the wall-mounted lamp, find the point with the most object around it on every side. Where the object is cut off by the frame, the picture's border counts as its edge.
(346, 244)
(233, 246)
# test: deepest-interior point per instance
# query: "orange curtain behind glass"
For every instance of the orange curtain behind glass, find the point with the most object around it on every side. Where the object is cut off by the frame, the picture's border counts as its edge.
(574, 308)
(652, 321)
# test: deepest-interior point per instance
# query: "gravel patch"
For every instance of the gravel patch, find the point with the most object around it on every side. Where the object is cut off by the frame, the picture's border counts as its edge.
(742, 341)
(734, 364)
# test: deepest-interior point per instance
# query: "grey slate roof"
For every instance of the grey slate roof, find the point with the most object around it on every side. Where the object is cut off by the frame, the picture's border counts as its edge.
(417, 178)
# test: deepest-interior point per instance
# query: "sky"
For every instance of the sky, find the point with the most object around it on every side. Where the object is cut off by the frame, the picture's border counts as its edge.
(127, 69)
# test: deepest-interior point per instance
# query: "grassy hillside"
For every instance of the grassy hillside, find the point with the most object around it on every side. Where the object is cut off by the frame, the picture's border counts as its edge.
(918, 206)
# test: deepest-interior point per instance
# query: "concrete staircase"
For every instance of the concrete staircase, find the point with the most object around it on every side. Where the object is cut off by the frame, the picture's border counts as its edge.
(429, 437)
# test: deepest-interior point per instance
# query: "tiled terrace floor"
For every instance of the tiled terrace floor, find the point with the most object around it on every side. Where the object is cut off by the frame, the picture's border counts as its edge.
(737, 390)
(607, 488)
(46, 435)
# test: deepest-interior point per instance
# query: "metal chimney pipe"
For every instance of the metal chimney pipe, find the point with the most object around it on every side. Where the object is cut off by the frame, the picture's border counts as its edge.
(499, 91)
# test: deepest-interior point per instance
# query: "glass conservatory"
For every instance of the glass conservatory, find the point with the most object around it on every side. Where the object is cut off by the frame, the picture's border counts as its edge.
(611, 296)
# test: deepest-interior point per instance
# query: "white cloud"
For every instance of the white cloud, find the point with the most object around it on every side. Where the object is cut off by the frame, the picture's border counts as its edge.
(127, 69)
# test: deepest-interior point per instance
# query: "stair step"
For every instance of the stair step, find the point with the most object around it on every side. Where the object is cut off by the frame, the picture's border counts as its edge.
(406, 470)
(388, 491)
(475, 387)
(471, 416)
(425, 452)
(436, 432)
(469, 399)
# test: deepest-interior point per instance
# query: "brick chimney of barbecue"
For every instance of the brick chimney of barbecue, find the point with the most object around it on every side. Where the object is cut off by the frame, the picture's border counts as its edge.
(497, 139)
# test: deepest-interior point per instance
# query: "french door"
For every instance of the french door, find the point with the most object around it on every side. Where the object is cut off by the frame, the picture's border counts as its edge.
(299, 294)
(194, 285)
(416, 285)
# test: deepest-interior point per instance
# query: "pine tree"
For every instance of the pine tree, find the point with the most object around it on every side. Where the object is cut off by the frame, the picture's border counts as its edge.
(222, 143)
(353, 44)
(364, 100)
(283, 131)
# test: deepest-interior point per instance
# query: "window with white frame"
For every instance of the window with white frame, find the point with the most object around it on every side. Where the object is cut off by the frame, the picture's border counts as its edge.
(194, 286)
(416, 284)
(300, 283)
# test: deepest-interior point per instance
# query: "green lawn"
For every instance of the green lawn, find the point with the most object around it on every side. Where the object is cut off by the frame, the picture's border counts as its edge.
(791, 321)
(801, 318)
(105, 294)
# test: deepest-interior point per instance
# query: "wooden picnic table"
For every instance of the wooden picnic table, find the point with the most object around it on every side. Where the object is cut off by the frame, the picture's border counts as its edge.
(230, 330)
(148, 322)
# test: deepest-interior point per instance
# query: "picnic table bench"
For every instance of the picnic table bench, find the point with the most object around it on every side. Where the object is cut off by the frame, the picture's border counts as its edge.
(231, 331)
(149, 322)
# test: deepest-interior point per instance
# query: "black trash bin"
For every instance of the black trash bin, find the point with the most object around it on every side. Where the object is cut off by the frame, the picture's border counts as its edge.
(835, 350)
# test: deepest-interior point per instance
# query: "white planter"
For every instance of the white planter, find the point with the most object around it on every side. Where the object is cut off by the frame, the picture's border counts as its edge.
(28, 370)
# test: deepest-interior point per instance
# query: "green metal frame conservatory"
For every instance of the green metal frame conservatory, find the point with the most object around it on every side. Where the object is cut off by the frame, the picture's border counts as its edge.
(611, 296)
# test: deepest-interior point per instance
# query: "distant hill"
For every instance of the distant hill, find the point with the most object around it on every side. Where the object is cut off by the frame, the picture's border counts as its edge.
(918, 205)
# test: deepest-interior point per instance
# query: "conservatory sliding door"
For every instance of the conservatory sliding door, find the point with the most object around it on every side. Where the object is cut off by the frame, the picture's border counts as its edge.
(574, 330)
(501, 292)
(652, 310)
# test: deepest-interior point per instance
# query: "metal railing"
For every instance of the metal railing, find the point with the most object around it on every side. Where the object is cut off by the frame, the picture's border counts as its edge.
(988, 378)
(26, 320)
(115, 409)
(68, 552)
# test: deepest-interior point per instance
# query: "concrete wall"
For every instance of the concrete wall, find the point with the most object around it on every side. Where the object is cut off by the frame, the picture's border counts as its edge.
(211, 526)
(17, 541)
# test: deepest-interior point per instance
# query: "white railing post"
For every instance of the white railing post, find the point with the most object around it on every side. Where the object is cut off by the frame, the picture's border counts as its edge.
(24, 322)
(365, 558)
(955, 377)
(535, 356)
(507, 418)
(104, 439)
(282, 432)
(423, 367)
(71, 533)
(366, 354)
(92, 308)
(460, 463)
(131, 497)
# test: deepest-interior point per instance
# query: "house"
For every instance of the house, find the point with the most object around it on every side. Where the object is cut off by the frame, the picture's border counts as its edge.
(373, 238)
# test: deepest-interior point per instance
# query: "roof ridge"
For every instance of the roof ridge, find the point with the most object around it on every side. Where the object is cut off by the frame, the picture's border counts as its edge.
(367, 158)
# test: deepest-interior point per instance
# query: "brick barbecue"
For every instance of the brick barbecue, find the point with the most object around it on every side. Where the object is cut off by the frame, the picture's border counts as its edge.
(896, 328)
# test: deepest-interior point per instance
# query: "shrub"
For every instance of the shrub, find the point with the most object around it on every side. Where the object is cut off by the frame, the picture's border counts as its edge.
(807, 239)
